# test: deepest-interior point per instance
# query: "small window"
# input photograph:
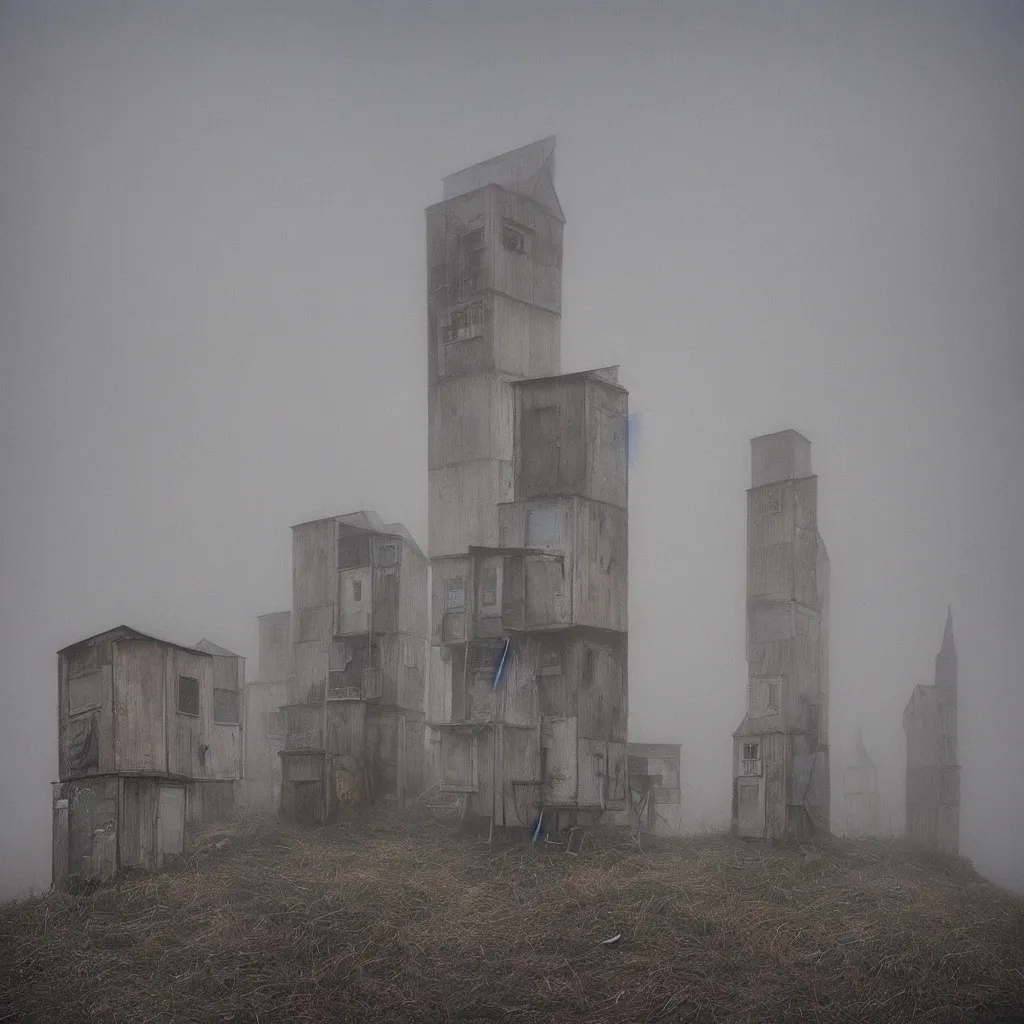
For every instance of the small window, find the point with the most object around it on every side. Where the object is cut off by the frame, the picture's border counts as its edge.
(357, 591)
(188, 696)
(225, 707)
(489, 587)
(388, 554)
(84, 693)
(513, 239)
(589, 664)
(274, 724)
(750, 751)
(276, 634)
(455, 594)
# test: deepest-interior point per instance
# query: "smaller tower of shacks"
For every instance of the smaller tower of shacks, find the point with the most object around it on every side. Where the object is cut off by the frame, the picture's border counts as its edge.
(149, 748)
(263, 728)
(933, 772)
(860, 792)
(780, 751)
(354, 717)
(534, 629)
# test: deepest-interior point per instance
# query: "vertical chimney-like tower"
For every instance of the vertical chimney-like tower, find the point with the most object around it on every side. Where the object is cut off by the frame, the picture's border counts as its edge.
(494, 305)
(781, 754)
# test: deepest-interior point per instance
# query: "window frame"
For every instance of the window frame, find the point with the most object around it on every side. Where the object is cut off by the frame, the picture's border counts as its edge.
(199, 701)
(238, 706)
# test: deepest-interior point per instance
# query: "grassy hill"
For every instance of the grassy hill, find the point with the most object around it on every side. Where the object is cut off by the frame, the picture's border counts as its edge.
(389, 919)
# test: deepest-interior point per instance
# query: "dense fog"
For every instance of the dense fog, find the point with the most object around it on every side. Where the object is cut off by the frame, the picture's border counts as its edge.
(806, 215)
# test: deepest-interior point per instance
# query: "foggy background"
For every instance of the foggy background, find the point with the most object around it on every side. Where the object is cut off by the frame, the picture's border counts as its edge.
(213, 326)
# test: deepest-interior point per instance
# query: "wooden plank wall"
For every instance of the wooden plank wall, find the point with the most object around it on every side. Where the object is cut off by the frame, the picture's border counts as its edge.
(137, 826)
(605, 477)
(140, 705)
(600, 566)
(92, 827)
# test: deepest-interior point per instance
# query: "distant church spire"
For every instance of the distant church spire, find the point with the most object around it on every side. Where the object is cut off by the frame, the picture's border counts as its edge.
(946, 659)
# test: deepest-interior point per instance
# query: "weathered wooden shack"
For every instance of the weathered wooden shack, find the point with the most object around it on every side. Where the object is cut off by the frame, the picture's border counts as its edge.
(263, 730)
(781, 782)
(933, 768)
(353, 721)
(149, 748)
(861, 814)
(655, 791)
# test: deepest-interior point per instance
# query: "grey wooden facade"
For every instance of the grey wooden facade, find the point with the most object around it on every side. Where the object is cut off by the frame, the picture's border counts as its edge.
(781, 785)
(354, 715)
(263, 730)
(149, 748)
(527, 696)
(933, 768)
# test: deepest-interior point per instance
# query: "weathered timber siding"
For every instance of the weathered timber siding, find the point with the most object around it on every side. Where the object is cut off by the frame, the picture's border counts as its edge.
(472, 419)
(262, 784)
(463, 499)
(599, 561)
(92, 827)
(346, 728)
(414, 592)
(138, 820)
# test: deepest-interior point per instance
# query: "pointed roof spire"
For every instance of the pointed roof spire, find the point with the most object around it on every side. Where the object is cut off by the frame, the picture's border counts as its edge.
(946, 659)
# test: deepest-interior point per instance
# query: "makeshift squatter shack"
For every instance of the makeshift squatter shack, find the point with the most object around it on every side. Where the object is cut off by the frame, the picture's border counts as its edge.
(149, 748)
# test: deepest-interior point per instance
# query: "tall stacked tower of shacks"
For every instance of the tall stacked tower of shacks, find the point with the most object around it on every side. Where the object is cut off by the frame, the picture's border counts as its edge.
(933, 771)
(527, 702)
(780, 752)
(353, 724)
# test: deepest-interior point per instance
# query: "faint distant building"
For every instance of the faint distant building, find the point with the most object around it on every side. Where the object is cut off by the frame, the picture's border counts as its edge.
(654, 784)
(933, 771)
(263, 730)
(353, 719)
(780, 751)
(149, 748)
(860, 792)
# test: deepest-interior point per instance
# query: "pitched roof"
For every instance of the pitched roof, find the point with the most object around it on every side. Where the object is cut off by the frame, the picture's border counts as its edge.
(529, 170)
(209, 647)
(130, 633)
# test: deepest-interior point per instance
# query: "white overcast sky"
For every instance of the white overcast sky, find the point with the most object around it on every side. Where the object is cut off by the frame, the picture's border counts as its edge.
(780, 214)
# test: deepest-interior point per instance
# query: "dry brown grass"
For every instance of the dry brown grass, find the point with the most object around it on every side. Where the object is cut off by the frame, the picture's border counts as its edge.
(388, 919)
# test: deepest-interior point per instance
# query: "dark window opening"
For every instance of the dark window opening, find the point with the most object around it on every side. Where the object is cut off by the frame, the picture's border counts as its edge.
(589, 664)
(512, 239)
(489, 587)
(188, 696)
(455, 594)
(750, 751)
(357, 590)
(388, 554)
